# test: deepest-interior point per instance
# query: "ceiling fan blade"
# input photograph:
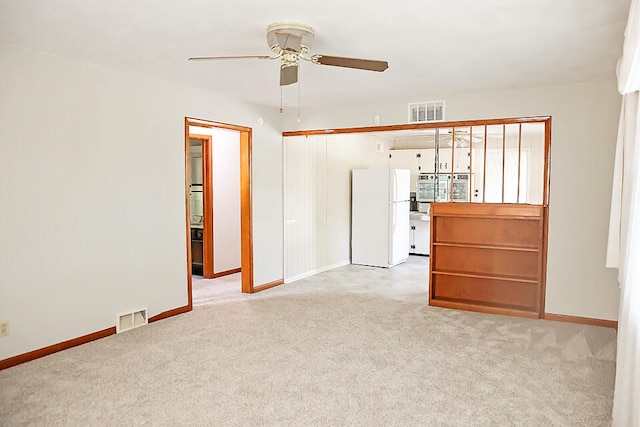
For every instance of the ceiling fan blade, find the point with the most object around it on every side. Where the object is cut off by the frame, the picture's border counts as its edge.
(209, 58)
(288, 75)
(360, 64)
(289, 41)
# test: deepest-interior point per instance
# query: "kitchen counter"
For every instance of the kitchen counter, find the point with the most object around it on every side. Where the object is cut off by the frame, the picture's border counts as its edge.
(419, 216)
(419, 233)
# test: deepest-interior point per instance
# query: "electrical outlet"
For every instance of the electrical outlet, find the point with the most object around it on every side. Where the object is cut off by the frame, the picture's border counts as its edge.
(4, 329)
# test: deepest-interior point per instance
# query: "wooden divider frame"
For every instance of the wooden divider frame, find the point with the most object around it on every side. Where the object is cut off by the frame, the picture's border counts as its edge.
(534, 305)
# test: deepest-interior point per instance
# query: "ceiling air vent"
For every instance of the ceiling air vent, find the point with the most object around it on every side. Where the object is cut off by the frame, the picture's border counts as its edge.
(428, 111)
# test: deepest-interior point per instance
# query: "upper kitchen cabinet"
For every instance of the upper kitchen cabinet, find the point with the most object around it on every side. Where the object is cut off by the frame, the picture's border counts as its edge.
(461, 160)
(444, 158)
(428, 161)
(416, 160)
(453, 149)
(404, 159)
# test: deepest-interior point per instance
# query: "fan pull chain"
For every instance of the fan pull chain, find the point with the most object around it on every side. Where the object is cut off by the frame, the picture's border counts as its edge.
(281, 100)
(299, 94)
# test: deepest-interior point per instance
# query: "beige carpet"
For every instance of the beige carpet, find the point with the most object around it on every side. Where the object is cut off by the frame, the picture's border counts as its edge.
(213, 291)
(340, 348)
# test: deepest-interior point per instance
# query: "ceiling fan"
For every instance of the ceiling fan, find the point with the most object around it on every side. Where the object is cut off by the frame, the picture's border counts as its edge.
(461, 138)
(291, 42)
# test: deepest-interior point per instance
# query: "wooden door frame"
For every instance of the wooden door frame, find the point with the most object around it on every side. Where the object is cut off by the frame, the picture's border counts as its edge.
(246, 226)
(207, 204)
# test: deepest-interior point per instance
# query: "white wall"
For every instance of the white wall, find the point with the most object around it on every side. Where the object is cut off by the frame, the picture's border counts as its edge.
(225, 165)
(584, 126)
(92, 203)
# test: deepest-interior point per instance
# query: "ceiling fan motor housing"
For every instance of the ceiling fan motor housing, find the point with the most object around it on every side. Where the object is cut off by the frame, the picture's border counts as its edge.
(276, 32)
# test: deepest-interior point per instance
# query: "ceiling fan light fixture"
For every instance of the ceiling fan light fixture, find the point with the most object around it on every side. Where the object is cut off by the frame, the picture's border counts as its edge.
(461, 142)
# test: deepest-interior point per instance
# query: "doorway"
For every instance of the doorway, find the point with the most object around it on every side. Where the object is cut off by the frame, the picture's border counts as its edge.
(201, 205)
(246, 237)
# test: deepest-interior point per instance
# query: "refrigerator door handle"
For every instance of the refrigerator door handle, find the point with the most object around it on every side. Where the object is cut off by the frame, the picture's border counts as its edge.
(392, 185)
(392, 233)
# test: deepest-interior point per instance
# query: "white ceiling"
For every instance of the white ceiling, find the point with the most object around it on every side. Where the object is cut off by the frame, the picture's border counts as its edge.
(432, 46)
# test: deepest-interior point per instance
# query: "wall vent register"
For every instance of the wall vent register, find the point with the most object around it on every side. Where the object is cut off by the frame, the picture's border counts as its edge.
(134, 319)
(427, 111)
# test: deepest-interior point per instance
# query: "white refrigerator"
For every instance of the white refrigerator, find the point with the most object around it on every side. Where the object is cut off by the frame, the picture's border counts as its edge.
(380, 217)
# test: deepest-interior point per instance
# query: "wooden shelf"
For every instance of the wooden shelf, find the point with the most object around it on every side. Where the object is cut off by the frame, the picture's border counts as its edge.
(481, 276)
(490, 210)
(518, 217)
(481, 308)
(481, 246)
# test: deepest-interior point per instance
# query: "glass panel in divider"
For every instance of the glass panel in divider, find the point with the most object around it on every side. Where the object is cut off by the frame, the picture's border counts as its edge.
(533, 146)
(477, 156)
(443, 161)
(514, 161)
(493, 188)
(461, 145)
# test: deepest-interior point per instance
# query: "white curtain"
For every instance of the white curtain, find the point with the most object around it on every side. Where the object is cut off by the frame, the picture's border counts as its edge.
(623, 249)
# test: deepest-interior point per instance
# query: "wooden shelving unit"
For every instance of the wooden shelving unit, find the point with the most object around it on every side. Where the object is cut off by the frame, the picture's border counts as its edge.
(488, 257)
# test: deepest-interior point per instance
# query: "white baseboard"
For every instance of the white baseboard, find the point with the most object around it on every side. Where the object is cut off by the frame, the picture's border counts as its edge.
(313, 272)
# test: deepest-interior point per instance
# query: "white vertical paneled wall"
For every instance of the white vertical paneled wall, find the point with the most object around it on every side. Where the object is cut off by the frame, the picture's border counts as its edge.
(317, 198)
(343, 154)
(305, 207)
